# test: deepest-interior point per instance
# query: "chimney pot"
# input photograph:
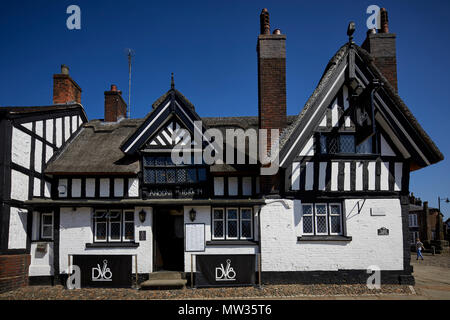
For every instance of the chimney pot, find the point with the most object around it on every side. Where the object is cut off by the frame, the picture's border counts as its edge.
(264, 21)
(64, 69)
(277, 31)
(113, 87)
(384, 21)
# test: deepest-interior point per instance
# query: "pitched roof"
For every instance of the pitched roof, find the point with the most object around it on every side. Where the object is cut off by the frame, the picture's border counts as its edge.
(324, 83)
(21, 111)
(96, 148)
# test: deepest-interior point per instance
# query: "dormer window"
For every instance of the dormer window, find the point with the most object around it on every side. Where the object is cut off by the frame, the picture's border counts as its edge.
(343, 143)
(162, 170)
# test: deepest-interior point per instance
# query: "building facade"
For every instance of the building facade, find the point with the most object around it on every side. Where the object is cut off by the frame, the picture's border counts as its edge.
(426, 224)
(337, 206)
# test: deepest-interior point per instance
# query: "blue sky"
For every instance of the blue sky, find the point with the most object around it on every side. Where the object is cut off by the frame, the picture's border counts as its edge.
(211, 48)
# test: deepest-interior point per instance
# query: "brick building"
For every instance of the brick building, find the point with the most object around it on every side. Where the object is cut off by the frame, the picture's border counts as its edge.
(76, 190)
(427, 224)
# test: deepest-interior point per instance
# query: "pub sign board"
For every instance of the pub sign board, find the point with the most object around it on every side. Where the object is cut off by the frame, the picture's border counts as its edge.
(225, 270)
(104, 271)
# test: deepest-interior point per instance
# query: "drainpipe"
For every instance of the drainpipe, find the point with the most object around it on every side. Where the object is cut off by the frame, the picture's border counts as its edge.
(259, 247)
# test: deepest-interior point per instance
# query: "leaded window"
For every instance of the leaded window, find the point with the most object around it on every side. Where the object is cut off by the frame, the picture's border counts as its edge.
(162, 170)
(331, 143)
(113, 226)
(322, 219)
(232, 223)
(218, 224)
(246, 223)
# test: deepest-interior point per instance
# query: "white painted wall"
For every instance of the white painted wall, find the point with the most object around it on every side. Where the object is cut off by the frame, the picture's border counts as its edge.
(76, 188)
(37, 187)
(219, 186)
(41, 262)
(40, 128)
(246, 186)
(232, 186)
(17, 228)
(90, 188)
(308, 149)
(20, 148)
(59, 133)
(204, 216)
(19, 185)
(76, 230)
(118, 187)
(133, 187)
(38, 156)
(104, 187)
(281, 251)
(66, 128)
(49, 130)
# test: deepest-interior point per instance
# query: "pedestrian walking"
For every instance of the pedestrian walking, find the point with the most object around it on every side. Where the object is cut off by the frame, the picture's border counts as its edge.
(419, 248)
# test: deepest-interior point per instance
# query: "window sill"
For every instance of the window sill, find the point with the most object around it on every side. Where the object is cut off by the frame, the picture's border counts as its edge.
(231, 242)
(112, 245)
(324, 238)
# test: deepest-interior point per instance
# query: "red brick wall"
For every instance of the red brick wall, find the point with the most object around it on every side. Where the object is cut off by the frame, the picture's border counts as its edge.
(13, 271)
(65, 89)
(272, 93)
(115, 106)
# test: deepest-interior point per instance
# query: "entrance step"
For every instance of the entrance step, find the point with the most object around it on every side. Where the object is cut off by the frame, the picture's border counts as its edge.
(166, 275)
(164, 279)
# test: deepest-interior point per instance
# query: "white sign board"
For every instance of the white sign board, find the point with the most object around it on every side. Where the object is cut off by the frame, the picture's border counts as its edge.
(195, 237)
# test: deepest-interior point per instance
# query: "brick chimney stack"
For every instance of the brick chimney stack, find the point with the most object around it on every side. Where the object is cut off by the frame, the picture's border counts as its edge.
(271, 50)
(382, 48)
(115, 106)
(65, 89)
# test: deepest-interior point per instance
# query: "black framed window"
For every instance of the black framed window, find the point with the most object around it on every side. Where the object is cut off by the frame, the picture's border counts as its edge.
(322, 219)
(232, 223)
(162, 170)
(113, 225)
(331, 143)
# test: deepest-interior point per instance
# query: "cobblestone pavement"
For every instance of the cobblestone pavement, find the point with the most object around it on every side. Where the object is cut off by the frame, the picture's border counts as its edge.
(432, 282)
(272, 292)
(432, 276)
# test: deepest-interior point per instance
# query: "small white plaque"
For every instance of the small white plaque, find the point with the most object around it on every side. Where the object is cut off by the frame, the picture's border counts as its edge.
(378, 211)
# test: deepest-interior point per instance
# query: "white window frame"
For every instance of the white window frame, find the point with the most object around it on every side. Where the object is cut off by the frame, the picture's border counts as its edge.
(309, 215)
(321, 215)
(105, 213)
(223, 225)
(240, 223)
(413, 220)
(340, 218)
(124, 222)
(46, 225)
(237, 223)
(113, 212)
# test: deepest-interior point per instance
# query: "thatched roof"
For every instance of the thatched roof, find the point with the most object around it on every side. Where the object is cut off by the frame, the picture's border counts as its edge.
(96, 148)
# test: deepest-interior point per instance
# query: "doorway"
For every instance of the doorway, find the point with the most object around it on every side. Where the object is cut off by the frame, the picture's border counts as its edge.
(168, 239)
